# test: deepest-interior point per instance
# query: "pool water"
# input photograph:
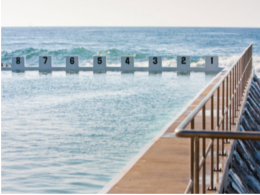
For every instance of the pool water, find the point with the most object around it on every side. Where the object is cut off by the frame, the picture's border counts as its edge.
(72, 133)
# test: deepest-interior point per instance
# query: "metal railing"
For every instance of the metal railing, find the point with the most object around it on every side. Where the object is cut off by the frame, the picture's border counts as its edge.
(223, 101)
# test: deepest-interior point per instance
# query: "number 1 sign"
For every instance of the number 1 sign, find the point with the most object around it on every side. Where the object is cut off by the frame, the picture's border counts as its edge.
(211, 63)
(72, 62)
(45, 62)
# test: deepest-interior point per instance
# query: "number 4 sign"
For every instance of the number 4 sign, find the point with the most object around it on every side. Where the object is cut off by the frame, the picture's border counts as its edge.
(127, 62)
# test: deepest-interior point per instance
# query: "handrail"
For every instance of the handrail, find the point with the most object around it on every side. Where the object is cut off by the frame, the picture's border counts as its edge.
(248, 135)
(231, 89)
(204, 101)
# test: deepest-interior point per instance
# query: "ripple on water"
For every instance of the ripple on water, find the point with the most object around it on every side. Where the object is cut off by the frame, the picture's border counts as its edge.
(73, 134)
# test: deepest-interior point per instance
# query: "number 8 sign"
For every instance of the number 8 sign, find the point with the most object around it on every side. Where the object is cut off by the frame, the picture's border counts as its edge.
(72, 62)
(18, 63)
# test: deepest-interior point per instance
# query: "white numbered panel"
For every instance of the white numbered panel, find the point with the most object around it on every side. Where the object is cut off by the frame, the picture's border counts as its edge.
(72, 62)
(183, 62)
(18, 63)
(99, 62)
(155, 63)
(127, 62)
(45, 62)
(211, 63)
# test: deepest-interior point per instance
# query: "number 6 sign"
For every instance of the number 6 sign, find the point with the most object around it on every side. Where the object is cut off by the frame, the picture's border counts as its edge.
(72, 62)
(45, 62)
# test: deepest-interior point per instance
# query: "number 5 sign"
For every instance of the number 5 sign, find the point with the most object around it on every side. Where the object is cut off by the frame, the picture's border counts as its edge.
(45, 62)
(72, 62)
(99, 62)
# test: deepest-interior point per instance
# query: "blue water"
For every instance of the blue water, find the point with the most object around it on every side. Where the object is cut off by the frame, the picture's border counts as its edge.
(72, 133)
(113, 42)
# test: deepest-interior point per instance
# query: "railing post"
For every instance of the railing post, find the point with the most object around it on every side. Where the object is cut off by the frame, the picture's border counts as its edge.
(203, 151)
(212, 147)
(192, 157)
(217, 152)
(236, 82)
(227, 106)
(223, 110)
(212, 112)
(192, 163)
(230, 98)
(239, 90)
(197, 177)
(233, 100)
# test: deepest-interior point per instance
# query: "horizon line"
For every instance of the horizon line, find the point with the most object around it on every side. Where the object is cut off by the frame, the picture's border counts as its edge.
(135, 26)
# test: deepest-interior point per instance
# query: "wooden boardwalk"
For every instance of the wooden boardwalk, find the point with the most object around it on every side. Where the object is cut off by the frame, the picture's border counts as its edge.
(164, 165)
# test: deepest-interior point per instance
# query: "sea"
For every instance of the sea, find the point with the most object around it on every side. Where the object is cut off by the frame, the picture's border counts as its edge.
(73, 133)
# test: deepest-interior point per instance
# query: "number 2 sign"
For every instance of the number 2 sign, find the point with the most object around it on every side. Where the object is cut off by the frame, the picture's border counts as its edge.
(183, 62)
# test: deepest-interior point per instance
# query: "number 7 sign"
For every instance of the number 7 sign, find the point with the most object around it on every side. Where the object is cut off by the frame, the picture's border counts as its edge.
(45, 62)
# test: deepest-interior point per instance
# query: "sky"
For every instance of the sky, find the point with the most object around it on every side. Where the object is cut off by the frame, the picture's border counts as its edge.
(180, 13)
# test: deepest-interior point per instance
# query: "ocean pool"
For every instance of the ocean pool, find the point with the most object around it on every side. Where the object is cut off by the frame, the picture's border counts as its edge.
(72, 133)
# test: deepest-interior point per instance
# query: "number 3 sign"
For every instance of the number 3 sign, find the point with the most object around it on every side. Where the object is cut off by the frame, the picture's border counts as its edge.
(155, 63)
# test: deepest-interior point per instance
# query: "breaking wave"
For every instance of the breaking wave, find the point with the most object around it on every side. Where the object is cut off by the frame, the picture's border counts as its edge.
(113, 57)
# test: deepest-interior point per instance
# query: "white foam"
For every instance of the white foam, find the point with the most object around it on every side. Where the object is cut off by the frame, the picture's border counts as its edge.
(227, 61)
